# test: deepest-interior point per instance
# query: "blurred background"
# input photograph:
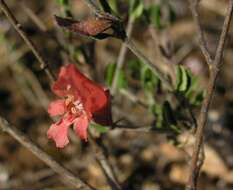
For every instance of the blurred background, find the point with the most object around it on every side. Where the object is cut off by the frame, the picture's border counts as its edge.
(154, 157)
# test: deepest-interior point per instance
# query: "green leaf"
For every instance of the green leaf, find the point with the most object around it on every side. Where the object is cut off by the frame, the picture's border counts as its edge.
(183, 77)
(193, 94)
(165, 118)
(136, 8)
(148, 79)
(134, 68)
(113, 5)
(99, 128)
(122, 82)
(154, 12)
(197, 100)
(63, 2)
(110, 72)
(157, 111)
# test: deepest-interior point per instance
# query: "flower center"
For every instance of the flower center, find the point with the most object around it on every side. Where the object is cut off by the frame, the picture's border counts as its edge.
(74, 106)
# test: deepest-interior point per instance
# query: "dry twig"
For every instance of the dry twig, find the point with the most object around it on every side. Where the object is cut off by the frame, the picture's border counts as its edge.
(121, 57)
(214, 67)
(102, 160)
(19, 29)
(67, 176)
(200, 33)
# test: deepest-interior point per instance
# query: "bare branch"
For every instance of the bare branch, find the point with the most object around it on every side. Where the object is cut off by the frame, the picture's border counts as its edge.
(104, 164)
(223, 37)
(202, 120)
(121, 57)
(34, 17)
(67, 176)
(19, 29)
(200, 33)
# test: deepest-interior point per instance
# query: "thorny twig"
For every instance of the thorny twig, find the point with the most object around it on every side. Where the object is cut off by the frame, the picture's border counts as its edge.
(19, 29)
(214, 67)
(67, 176)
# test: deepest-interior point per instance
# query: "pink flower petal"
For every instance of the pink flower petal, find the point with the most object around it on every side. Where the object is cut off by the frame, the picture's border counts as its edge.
(72, 81)
(62, 86)
(92, 95)
(59, 131)
(56, 107)
(81, 125)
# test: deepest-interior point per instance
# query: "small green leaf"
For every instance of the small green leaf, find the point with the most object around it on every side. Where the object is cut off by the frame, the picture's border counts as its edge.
(122, 82)
(113, 5)
(134, 68)
(183, 77)
(197, 100)
(148, 79)
(110, 72)
(193, 94)
(63, 2)
(157, 111)
(99, 128)
(165, 118)
(136, 8)
(154, 12)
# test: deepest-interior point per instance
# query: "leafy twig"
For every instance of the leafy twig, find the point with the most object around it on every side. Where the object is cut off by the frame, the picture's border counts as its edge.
(65, 174)
(214, 67)
(19, 29)
(128, 42)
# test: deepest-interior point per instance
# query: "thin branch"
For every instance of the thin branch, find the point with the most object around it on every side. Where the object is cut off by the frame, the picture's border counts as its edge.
(132, 97)
(104, 164)
(19, 29)
(202, 120)
(200, 33)
(128, 42)
(20, 70)
(34, 17)
(66, 175)
(122, 56)
(223, 37)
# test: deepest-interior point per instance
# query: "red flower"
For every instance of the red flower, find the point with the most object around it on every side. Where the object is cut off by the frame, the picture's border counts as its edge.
(82, 100)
